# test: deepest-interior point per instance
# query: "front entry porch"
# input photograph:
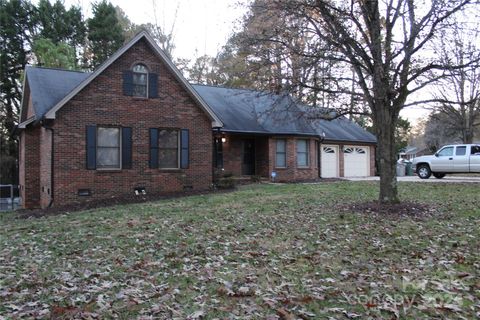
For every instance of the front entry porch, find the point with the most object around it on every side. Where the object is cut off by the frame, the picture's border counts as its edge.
(292, 158)
(241, 155)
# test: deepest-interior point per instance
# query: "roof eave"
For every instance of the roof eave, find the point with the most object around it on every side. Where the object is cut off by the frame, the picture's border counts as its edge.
(268, 133)
(25, 123)
(332, 140)
(23, 95)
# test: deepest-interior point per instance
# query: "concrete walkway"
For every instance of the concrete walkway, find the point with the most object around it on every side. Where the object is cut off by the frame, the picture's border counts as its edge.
(446, 179)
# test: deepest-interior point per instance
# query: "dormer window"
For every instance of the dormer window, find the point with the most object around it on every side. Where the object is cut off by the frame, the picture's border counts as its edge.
(140, 80)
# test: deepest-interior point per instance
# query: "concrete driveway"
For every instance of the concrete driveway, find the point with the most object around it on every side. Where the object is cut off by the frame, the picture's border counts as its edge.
(446, 179)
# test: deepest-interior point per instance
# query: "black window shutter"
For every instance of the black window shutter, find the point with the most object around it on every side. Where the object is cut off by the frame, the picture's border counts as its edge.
(128, 83)
(152, 85)
(153, 148)
(126, 148)
(184, 151)
(91, 147)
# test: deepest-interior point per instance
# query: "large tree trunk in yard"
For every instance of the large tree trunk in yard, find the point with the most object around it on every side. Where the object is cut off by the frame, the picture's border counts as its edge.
(388, 160)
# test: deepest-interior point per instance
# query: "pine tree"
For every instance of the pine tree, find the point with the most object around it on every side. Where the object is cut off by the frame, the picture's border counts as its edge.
(105, 33)
(16, 25)
(55, 22)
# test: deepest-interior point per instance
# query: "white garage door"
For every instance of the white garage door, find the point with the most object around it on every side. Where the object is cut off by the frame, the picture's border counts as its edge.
(329, 162)
(356, 161)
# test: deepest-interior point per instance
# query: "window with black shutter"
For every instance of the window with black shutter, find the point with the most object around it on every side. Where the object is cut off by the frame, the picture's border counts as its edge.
(139, 82)
(109, 147)
(169, 148)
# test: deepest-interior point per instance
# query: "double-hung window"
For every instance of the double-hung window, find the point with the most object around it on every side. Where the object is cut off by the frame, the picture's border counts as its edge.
(302, 153)
(281, 153)
(168, 149)
(140, 80)
(108, 148)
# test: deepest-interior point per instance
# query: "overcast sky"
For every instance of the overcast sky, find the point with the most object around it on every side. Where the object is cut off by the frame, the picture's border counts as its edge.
(201, 26)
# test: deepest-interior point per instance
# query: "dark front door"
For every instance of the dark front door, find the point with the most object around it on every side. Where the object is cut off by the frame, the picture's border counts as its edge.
(248, 161)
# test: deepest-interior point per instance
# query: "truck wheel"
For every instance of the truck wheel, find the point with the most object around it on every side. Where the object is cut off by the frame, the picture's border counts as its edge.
(438, 175)
(423, 171)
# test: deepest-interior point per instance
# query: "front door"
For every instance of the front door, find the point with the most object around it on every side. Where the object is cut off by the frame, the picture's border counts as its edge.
(461, 159)
(248, 157)
(443, 161)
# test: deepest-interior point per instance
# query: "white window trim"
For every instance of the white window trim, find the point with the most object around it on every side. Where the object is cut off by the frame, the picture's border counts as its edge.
(147, 81)
(178, 149)
(119, 149)
(285, 154)
(308, 153)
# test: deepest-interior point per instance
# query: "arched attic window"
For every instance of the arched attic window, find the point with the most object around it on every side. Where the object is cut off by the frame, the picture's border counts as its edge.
(138, 82)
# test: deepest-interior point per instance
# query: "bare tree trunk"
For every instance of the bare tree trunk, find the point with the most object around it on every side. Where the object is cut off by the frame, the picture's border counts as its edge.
(387, 160)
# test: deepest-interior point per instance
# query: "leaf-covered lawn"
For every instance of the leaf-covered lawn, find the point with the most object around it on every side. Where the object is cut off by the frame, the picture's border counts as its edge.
(263, 252)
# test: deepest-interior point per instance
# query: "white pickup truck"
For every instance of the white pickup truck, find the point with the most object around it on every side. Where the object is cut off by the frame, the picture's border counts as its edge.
(459, 158)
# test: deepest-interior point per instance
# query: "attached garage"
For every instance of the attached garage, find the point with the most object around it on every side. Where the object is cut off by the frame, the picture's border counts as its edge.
(329, 161)
(356, 161)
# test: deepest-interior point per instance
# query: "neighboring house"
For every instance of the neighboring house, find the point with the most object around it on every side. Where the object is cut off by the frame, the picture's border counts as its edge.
(408, 153)
(136, 123)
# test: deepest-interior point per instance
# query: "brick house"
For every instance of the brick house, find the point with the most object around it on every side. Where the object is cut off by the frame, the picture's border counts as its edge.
(136, 124)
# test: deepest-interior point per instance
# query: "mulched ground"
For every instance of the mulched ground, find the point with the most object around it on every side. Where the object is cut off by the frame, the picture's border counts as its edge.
(402, 209)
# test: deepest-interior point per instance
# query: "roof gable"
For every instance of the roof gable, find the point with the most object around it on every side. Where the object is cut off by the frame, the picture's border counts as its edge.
(216, 122)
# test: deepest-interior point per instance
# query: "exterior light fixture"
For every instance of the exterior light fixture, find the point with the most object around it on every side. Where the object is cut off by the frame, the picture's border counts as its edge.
(322, 137)
(224, 139)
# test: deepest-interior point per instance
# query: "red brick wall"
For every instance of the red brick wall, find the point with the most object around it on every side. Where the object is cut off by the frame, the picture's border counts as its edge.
(341, 160)
(262, 157)
(372, 160)
(232, 154)
(292, 172)
(102, 103)
(29, 167)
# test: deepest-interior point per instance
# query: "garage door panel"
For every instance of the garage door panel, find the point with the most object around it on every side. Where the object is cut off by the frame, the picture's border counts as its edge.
(356, 161)
(329, 161)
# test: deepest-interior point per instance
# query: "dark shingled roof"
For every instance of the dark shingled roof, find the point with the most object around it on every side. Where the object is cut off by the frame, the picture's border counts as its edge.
(49, 86)
(243, 110)
(240, 110)
(337, 129)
